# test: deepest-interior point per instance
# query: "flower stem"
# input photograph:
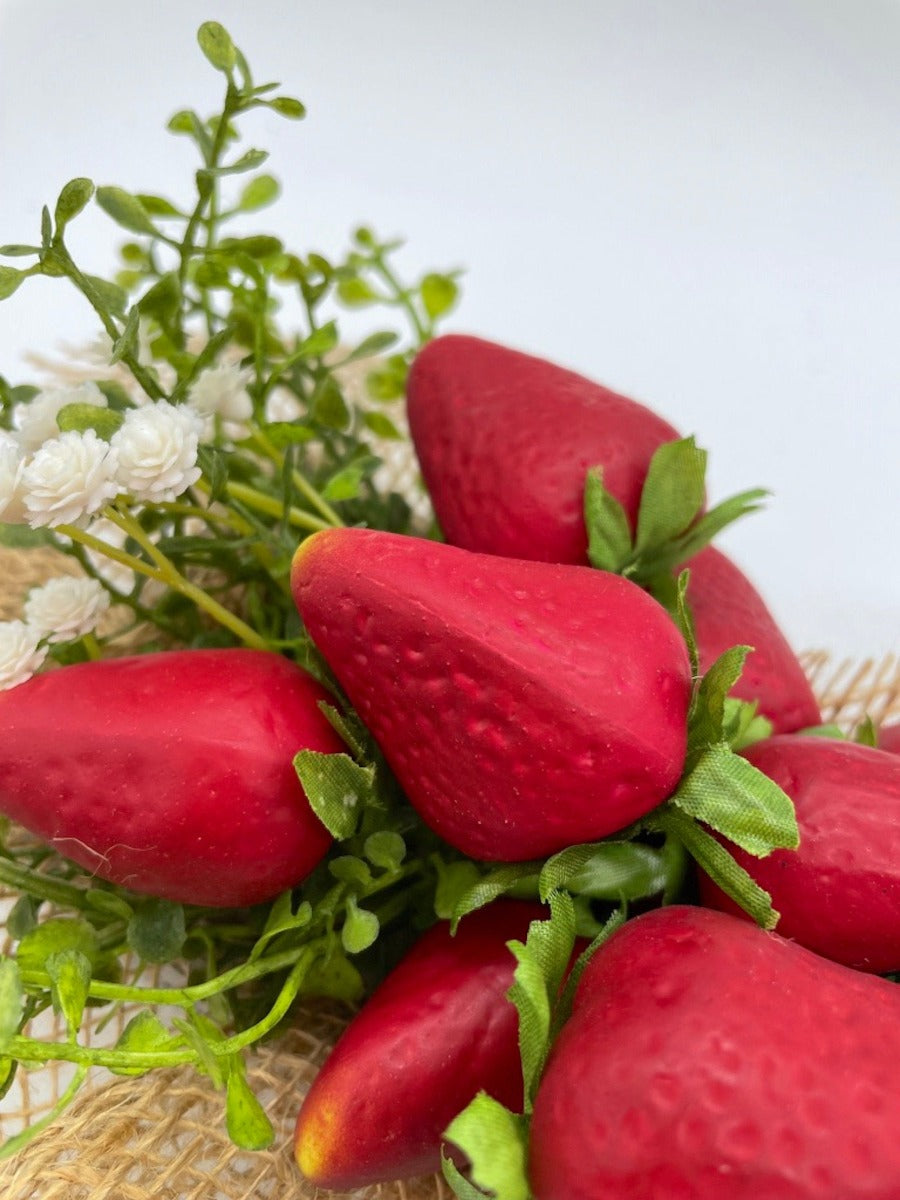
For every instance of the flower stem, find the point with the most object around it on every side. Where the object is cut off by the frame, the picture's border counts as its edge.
(258, 500)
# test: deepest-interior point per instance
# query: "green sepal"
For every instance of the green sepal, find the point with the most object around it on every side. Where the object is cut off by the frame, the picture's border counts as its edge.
(245, 1118)
(12, 1001)
(495, 1141)
(744, 724)
(685, 621)
(672, 496)
(70, 980)
(542, 961)
(563, 1008)
(609, 534)
(337, 789)
(81, 417)
(459, 1185)
(713, 858)
(612, 870)
(706, 719)
(498, 881)
(827, 730)
(866, 733)
(727, 793)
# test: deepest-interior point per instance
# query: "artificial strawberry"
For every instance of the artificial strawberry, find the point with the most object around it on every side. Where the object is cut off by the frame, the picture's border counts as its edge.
(170, 773)
(727, 611)
(505, 441)
(523, 706)
(435, 1032)
(708, 1060)
(889, 738)
(839, 893)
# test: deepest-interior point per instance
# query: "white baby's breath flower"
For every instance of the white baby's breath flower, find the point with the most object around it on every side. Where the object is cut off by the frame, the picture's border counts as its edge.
(12, 463)
(35, 419)
(221, 391)
(20, 654)
(69, 479)
(65, 608)
(156, 448)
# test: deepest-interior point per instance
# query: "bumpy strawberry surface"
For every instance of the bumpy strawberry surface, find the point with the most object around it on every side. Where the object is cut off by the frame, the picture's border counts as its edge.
(708, 1060)
(523, 706)
(505, 440)
(729, 611)
(170, 773)
(839, 893)
(435, 1032)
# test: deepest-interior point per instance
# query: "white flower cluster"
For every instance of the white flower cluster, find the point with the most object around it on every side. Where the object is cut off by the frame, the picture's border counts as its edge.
(53, 478)
(61, 610)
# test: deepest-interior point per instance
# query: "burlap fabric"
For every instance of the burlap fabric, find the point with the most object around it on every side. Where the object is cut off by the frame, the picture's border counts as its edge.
(162, 1137)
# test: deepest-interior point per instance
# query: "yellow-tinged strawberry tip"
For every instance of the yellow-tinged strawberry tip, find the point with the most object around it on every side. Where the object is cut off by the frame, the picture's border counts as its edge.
(314, 1141)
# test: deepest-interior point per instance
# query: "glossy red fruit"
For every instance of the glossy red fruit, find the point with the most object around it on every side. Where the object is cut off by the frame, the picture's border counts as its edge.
(839, 893)
(708, 1060)
(523, 706)
(889, 738)
(434, 1033)
(729, 611)
(170, 773)
(505, 441)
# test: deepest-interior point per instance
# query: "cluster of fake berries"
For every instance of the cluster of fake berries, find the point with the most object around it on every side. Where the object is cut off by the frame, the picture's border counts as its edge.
(530, 691)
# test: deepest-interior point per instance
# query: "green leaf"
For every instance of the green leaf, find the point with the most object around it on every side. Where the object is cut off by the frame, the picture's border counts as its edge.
(259, 192)
(360, 928)
(606, 871)
(287, 106)
(158, 206)
(388, 382)
(563, 1008)
(156, 932)
(22, 917)
(355, 292)
(111, 296)
(214, 465)
(385, 849)
(713, 858)
(714, 521)
(730, 795)
(673, 493)
(126, 210)
(685, 621)
(143, 1034)
(345, 483)
(72, 199)
(288, 433)
(498, 881)
(336, 787)
(162, 300)
(383, 427)
(54, 935)
(439, 294)
(319, 342)
(8, 1068)
(70, 977)
(706, 722)
(81, 417)
(245, 1118)
(496, 1143)
(335, 976)
(609, 534)
(248, 161)
(10, 279)
(375, 343)
(329, 406)
(216, 44)
(12, 1000)
(828, 730)
(16, 250)
(23, 537)
(866, 733)
(348, 868)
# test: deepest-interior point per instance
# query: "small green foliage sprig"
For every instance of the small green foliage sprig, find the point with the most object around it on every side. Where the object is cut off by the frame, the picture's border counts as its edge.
(207, 440)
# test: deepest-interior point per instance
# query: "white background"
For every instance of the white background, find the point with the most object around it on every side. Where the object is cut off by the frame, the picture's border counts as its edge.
(696, 202)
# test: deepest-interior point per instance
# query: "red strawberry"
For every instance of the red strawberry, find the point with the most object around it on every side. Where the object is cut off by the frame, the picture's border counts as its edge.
(505, 441)
(435, 1032)
(728, 611)
(889, 738)
(523, 706)
(170, 773)
(708, 1060)
(839, 893)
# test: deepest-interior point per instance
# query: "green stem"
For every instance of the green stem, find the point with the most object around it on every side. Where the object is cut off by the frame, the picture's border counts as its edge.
(255, 499)
(172, 577)
(402, 296)
(35, 883)
(300, 482)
